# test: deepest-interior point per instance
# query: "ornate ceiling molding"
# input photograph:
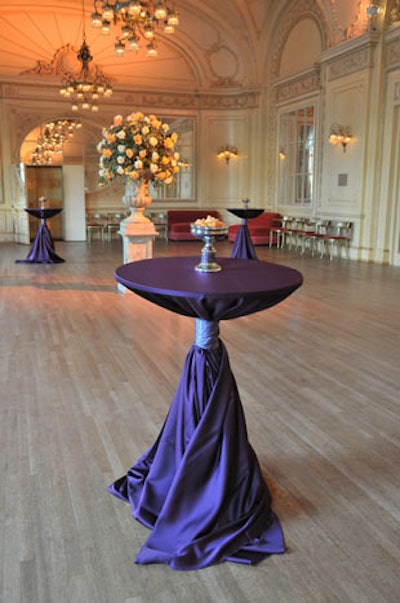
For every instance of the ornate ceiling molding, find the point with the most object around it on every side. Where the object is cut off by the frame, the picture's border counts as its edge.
(299, 86)
(355, 55)
(195, 101)
(224, 65)
(63, 63)
(356, 27)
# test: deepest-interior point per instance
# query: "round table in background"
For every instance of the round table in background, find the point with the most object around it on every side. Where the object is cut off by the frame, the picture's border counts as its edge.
(42, 250)
(243, 247)
(199, 487)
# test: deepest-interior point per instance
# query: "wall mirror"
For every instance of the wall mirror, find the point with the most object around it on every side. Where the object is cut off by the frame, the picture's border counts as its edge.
(296, 157)
(81, 148)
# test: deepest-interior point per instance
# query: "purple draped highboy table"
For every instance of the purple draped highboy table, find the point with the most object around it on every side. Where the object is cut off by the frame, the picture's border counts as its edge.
(243, 247)
(42, 250)
(199, 487)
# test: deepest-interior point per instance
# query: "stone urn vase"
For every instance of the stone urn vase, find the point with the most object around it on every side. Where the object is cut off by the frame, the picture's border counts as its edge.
(137, 198)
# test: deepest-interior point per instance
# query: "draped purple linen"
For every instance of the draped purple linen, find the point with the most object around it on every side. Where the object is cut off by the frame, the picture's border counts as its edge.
(42, 250)
(243, 247)
(199, 487)
(241, 288)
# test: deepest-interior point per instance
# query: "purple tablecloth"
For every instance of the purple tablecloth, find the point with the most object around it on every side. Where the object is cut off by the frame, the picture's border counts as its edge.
(199, 487)
(243, 247)
(42, 250)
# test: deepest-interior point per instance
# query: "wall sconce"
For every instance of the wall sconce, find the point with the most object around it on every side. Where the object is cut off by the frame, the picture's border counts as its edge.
(282, 155)
(226, 152)
(340, 134)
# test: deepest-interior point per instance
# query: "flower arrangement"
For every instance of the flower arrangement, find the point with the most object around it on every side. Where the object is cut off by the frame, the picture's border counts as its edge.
(138, 148)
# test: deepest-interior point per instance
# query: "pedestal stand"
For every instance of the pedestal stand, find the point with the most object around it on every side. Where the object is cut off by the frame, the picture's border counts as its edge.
(138, 239)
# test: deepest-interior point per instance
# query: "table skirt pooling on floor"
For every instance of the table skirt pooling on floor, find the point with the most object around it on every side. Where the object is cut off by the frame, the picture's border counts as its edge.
(42, 250)
(199, 487)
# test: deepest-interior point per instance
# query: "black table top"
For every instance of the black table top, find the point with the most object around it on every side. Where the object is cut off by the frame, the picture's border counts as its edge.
(246, 213)
(45, 213)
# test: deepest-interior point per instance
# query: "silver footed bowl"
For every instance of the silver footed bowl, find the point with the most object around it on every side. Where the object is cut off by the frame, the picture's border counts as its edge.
(208, 253)
(202, 231)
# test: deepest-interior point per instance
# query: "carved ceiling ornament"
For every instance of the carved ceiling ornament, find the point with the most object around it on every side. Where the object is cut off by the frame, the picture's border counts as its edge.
(356, 27)
(64, 62)
(223, 64)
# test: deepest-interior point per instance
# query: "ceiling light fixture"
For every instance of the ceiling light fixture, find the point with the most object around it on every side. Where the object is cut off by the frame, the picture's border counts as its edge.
(85, 88)
(52, 137)
(138, 20)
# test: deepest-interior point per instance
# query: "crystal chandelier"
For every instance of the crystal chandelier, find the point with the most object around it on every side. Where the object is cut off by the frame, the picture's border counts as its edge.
(51, 140)
(138, 20)
(85, 88)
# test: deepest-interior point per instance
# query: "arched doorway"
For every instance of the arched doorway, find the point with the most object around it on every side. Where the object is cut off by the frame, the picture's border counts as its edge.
(52, 166)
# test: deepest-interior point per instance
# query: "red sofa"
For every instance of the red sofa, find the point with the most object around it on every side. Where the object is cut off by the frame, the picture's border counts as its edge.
(179, 222)
(259, 228)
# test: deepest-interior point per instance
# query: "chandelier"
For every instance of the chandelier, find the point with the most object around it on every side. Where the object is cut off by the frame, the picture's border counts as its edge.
(85, 88)
(138, 20)
(51, 140)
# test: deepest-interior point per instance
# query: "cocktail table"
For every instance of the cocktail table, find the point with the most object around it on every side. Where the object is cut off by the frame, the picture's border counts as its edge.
(42, 250)
(199, 487)
(243, 247)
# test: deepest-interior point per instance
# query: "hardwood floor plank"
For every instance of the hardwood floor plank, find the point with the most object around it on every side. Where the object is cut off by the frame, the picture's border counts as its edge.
(87, 377)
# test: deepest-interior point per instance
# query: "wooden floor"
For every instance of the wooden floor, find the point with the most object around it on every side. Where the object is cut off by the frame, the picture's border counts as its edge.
(87, 376)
